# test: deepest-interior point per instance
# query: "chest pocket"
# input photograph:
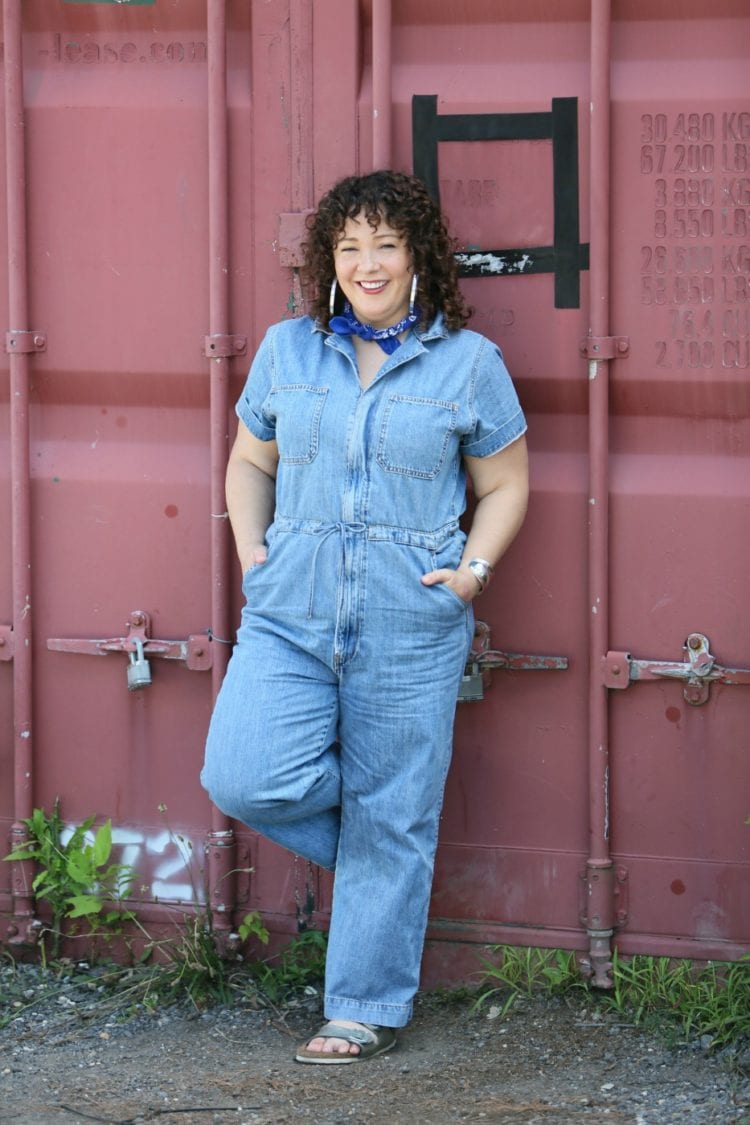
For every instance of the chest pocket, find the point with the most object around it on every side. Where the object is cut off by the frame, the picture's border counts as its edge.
(415, 435)
(298, 408)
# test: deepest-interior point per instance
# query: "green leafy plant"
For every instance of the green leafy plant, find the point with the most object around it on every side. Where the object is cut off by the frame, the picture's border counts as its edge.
(252, 926)
(76, 876)
(300, 965)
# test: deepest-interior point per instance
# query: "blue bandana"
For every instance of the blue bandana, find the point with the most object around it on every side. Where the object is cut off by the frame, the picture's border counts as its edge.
(347, 325)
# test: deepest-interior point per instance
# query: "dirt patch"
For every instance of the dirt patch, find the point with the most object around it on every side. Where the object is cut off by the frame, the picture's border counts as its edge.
(66, 1058)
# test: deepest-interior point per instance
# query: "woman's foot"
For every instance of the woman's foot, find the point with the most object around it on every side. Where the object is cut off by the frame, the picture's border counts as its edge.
(333, 1045)
(344, 1041)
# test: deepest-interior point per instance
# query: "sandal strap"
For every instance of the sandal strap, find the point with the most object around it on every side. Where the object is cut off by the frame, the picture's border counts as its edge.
(360, 1035)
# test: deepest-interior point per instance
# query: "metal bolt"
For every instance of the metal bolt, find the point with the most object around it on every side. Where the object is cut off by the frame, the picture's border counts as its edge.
(694, 641)
(137, 619)
(616, 669)
(199, 652)
(622, 345)
(39, 341)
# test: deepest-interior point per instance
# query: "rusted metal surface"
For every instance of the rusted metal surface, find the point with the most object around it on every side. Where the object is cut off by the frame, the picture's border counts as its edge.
(196, 651)
(158, 172)
(700, 670)
(221, 845)
(483, 659)
(20, 342)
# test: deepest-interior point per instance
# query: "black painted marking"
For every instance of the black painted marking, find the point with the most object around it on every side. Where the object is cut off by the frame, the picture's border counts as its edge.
(568, 256)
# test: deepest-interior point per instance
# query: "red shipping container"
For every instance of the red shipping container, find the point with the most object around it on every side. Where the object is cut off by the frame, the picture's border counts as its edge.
(595, 168)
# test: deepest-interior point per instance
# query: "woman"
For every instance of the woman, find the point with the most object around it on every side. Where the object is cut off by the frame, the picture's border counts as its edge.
(332, 732)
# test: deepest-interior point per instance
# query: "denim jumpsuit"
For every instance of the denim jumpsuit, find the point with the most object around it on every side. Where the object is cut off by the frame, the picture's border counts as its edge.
(332, 732)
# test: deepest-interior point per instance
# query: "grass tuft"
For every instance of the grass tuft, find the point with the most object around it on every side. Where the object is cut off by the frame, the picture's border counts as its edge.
(683, 1000)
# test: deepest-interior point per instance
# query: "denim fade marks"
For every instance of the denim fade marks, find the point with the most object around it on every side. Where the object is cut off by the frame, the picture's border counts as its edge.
(332, 732)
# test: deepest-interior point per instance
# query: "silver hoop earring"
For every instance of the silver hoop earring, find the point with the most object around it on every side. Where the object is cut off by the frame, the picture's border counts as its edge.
(413, 294)
(332, 298)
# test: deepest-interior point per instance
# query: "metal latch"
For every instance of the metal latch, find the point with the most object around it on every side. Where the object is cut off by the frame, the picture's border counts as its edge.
(6, 642)
(700, 670)
(482, 659)
(196, 651)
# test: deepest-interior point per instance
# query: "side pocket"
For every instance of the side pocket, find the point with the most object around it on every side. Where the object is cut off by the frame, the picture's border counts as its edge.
(449, 556)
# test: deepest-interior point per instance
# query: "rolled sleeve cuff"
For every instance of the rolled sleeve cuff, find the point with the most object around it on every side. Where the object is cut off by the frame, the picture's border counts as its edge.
(255, 425)
(500, 438)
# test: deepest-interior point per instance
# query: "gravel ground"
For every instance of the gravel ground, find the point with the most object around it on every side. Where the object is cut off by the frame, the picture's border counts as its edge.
(67, 1055)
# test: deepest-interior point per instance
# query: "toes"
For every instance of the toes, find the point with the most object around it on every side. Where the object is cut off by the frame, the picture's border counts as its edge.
(333, 1046)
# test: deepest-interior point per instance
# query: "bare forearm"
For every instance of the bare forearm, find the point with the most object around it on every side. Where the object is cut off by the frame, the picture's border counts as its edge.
(497, 520)
(250, 496)
(501, 485)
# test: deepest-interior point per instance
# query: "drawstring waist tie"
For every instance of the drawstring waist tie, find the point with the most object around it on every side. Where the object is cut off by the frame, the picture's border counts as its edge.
(384, 533)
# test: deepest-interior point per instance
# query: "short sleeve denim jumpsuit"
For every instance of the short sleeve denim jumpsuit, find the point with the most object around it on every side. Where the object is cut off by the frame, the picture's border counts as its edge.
(332, 732)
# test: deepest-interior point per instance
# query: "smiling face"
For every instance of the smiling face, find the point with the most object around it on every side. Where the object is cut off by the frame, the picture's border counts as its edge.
(374, 271)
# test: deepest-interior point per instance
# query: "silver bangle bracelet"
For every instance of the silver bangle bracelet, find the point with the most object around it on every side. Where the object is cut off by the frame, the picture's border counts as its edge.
(482, 571)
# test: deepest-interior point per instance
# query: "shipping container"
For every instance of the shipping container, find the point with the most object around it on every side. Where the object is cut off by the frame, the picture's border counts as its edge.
(593, 160)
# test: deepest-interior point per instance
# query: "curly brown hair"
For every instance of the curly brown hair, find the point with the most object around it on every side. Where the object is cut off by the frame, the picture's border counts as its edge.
(404, 202)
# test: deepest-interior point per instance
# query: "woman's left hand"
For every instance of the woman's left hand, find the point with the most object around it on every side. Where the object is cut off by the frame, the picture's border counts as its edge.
(462, 582)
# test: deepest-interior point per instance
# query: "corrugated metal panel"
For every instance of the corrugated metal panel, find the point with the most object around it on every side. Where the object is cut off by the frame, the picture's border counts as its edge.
(549, 808)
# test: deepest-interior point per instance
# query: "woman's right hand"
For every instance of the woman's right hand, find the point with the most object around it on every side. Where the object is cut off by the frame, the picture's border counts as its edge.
(250, 490)
(254, 558)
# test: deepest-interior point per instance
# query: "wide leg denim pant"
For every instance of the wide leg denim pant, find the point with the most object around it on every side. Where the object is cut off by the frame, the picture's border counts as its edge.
(332, 736)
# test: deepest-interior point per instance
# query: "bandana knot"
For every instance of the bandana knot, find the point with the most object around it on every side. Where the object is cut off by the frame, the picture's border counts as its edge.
(346, 324)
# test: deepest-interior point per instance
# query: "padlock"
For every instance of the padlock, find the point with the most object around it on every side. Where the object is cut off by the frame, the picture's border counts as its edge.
(139, 669)
(471, 688)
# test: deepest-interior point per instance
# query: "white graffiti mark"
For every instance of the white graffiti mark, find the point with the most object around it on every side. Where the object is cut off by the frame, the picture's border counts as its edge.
(173, 879)
(494, 263)
(178, 852)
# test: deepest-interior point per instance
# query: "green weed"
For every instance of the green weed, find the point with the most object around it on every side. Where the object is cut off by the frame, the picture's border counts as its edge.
(706, 1000)
(76, 877)
(300, 965)
(681, 999)
(523, 970)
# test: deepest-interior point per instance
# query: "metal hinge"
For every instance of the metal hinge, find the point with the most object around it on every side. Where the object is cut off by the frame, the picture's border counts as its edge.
(605, 347)
(482, 659)
(6, 642)
(196, 651)
(619, 670)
